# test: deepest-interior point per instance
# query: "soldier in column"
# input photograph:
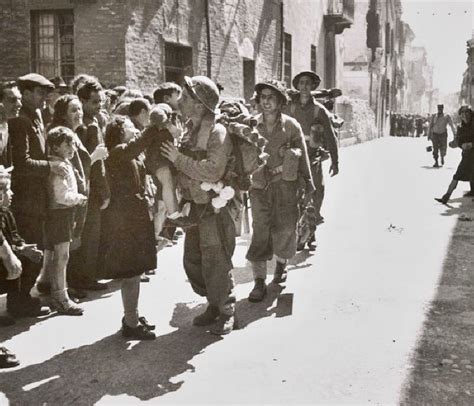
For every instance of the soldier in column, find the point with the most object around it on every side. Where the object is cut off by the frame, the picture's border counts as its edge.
(274, 192)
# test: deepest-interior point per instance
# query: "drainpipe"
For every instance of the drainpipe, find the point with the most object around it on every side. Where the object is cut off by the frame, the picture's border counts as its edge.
(282, 42)
(208, 34)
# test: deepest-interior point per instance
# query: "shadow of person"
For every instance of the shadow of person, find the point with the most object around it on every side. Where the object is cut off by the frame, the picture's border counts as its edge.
(244, 274)
(112, 367)
(430, 167)
(274, 303)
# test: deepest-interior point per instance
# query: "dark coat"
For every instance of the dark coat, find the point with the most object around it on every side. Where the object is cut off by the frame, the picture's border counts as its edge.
(127, 235)
(91, 136)
(30, 173)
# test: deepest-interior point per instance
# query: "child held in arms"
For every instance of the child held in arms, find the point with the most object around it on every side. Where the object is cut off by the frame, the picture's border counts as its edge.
(59, 225)
(163, 123)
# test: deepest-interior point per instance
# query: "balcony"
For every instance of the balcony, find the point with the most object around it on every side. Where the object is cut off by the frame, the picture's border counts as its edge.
(340, 15)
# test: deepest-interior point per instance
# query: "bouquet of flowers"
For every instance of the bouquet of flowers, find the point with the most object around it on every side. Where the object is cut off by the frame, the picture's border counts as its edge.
(220, 193)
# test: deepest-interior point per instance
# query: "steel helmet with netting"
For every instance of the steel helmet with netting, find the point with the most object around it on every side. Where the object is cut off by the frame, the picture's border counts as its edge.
(204, 90)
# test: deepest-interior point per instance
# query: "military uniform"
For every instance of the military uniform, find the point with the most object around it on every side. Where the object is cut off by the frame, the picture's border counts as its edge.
(320, 138)
(208, 247)
(274, 200)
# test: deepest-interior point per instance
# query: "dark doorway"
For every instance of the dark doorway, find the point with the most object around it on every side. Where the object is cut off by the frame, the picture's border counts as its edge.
(249, 78)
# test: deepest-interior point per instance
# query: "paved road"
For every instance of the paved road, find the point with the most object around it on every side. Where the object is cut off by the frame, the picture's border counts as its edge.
(342, 330)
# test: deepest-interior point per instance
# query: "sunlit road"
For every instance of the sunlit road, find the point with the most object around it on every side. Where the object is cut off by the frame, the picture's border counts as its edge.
(342, 330)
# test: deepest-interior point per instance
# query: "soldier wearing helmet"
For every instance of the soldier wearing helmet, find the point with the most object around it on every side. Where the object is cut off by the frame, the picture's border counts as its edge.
(201, 163)
(275, 187)
(315, 120)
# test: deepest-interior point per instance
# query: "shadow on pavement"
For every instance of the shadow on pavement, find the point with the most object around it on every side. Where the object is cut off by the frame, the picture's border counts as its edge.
(86, 374)
(24, 324)
(443, 362)
(109, 367)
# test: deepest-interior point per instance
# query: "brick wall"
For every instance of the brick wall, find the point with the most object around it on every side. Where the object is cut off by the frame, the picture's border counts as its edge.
(123, 41)
(238, 28)
(98, 36)
(14, 39)
(100, 39)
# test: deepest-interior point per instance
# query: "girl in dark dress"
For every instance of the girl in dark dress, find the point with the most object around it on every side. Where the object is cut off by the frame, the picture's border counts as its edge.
(465, 140)
(127, 236)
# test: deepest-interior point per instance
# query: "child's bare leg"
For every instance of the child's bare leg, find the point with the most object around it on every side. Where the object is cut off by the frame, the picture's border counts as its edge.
(168, 190)
(45, 274)
(159, 218)
(58, 276)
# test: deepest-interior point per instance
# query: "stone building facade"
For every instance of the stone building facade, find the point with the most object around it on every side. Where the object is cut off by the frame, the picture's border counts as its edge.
(139, 43)
(312, 31)
(421, 98)
(467, 87)
(374, 58)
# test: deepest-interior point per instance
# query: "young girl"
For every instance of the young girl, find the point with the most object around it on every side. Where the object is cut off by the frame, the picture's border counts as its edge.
(127, 236)
(59, 224)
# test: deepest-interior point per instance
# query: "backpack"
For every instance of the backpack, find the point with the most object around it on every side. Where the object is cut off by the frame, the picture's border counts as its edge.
(248, 145)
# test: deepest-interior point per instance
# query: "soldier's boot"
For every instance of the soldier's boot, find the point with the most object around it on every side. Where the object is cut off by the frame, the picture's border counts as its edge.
(436, 165)
(280, 272)
(224, 325)
(442, 160)
(208, 317)
(259, 291)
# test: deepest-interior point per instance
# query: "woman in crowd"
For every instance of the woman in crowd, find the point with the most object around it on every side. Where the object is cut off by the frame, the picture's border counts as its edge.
(465, 140)
(127, 235)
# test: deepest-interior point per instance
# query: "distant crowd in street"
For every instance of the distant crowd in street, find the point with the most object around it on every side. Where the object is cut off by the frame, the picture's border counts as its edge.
(94, 181)
(435, 128)
(409, 125)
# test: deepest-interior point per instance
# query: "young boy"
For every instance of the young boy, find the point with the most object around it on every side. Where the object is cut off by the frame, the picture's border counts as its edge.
(14, 253)
(63, 197)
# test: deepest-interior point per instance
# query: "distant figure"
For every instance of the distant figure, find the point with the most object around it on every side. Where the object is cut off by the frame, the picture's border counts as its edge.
(438, 134)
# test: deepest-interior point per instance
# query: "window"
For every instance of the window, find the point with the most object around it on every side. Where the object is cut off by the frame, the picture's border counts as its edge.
(313, 58)
(178, 62)
(52, 43)
(249, 78)
(387, 38)
(287, 59)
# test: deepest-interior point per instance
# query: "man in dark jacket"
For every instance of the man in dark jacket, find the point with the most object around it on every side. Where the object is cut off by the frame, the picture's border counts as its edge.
(31, 170)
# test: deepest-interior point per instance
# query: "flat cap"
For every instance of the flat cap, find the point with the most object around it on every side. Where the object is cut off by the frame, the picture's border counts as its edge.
(36, 79)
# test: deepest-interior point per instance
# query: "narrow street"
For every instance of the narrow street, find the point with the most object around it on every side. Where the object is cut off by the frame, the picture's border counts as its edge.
(379, 314)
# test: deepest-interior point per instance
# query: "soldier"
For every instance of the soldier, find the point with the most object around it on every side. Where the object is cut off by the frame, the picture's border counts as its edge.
(273, 194)
(209, 246)
(319, 134)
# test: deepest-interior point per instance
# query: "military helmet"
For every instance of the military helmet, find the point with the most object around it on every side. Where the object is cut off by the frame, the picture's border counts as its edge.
(204, 90)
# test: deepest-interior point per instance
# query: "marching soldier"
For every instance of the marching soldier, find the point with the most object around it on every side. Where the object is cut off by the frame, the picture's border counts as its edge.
(274, 190)
(318, 131)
